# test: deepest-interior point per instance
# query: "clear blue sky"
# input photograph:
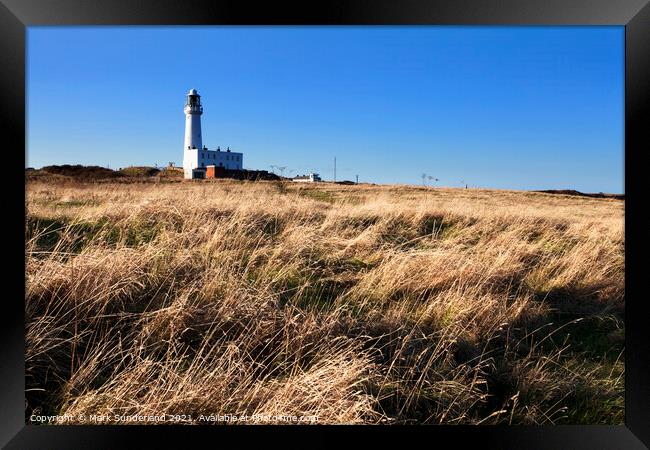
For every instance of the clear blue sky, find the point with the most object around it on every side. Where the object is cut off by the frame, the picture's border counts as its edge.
(499, 107)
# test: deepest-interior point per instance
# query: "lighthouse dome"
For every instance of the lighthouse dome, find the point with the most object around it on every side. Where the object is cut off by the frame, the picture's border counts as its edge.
(192, 92)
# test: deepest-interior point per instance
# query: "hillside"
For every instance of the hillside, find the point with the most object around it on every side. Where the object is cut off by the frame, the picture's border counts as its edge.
(335, 303)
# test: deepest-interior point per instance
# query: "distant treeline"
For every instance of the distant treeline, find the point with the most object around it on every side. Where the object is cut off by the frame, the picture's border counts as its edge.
(221, 172)
(91, 173)
(583, 194)
(82, 172)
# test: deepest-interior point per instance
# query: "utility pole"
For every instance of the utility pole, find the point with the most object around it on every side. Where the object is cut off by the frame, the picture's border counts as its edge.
(335, 169)
(357, 179)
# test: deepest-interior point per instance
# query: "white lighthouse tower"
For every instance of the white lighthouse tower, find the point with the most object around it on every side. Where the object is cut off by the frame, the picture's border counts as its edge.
(193, 111)
(193, 142)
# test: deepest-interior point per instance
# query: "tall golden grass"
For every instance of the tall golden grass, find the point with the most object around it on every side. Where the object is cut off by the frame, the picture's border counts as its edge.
(351, 304)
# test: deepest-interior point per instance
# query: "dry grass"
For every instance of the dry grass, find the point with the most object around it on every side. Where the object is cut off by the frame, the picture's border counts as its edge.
(355, 304)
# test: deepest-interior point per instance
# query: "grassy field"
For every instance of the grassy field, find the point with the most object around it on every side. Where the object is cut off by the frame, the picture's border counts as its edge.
(344, 304)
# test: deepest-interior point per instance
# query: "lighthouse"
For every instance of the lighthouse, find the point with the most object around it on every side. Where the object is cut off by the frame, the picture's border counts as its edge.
(197, 158)
(193, 142)
(193, 111)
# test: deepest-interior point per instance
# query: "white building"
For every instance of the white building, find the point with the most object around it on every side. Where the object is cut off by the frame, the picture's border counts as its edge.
(197, 157)
(310, 178)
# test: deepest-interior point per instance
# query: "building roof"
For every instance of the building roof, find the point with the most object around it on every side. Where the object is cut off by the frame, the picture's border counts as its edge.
(193, 92)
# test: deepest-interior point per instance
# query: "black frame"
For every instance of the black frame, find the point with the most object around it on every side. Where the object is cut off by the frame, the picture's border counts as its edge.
(16, 15)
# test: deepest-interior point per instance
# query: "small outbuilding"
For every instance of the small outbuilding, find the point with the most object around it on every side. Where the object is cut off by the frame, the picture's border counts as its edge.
(309, 178)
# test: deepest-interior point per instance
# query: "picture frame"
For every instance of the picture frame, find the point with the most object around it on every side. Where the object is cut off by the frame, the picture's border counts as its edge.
(634, 15)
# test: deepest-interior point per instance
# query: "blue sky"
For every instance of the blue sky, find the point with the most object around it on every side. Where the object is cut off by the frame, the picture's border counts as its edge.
(496, 107)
